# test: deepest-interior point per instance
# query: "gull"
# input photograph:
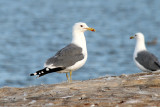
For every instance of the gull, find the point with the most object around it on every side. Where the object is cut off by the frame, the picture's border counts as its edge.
(70, 58)
(144, 60)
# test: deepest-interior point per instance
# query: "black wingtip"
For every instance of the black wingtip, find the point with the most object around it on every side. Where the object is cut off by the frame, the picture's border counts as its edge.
(31, 74)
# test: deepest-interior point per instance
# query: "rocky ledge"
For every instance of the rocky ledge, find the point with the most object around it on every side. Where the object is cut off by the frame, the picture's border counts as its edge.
(136, 90)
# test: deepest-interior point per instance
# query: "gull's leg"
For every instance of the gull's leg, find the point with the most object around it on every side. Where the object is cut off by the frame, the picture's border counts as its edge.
(67, 77)
(70, 76)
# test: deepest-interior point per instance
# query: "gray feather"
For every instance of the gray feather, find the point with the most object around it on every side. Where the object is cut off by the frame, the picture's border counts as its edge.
(148, 60)
(66, 57)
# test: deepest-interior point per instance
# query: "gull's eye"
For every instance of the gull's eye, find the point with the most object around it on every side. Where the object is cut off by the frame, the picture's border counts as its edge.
(81, 25)
(135, 35)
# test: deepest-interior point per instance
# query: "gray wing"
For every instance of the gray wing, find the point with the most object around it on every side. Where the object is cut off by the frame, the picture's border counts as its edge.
(148, 60)
(66, 57)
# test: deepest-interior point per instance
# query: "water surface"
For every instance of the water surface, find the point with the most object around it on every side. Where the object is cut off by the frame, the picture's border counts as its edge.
(32, 31)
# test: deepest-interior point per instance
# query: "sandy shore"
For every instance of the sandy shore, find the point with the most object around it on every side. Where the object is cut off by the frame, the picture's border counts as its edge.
(142, 89)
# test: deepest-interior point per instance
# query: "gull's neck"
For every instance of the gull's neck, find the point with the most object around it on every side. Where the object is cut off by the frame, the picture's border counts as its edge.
(140, 46)
(79, 39)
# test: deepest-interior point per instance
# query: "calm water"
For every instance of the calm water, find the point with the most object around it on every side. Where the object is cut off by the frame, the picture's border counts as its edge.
(32, 31)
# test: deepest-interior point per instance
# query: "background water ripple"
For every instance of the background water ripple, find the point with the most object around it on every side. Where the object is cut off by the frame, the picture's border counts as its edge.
(32, 31)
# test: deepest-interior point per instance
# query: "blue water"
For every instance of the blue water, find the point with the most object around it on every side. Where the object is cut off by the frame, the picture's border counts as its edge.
(31, 31)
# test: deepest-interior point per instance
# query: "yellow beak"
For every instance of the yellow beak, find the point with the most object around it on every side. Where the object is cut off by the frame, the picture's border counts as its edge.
(91, 29)
(132, 37)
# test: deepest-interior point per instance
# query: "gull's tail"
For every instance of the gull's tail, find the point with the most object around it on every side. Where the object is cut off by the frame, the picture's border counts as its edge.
(46, 71)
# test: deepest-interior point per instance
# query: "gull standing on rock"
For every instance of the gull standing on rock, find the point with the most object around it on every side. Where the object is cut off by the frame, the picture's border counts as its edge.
(71, 57)
(144, 60)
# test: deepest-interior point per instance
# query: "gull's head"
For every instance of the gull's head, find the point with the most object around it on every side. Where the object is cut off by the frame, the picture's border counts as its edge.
(82, 27)
(138, 36)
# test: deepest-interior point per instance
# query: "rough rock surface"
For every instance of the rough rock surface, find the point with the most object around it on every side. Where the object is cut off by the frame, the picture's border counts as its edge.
(136, 90)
